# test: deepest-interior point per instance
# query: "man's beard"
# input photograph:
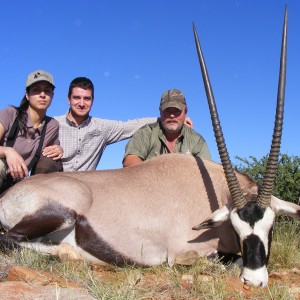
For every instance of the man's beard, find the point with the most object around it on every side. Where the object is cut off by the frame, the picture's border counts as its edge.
(172, 127)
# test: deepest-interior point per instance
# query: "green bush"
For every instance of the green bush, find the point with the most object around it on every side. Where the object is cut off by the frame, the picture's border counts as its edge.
(287, 182)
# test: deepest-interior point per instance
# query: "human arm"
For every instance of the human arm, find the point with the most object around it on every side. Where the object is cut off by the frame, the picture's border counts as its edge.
(15, 162)
(52, 147)
(138, 147)
(131, 160)
(119, 130)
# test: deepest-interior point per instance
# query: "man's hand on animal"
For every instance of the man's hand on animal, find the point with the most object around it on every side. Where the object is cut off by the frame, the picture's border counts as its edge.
(55, 152)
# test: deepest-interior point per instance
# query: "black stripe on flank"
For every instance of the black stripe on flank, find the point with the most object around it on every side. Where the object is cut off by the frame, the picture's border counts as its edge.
(92, 243)
(46, 220)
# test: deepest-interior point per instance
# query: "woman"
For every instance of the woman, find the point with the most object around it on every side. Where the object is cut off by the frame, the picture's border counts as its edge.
(28, 138)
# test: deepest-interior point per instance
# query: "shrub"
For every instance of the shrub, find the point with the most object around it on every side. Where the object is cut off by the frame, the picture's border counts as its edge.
(287, 182)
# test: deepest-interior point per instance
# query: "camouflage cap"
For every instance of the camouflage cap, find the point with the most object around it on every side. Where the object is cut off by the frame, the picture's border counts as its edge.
(172, 98)
(39, 75)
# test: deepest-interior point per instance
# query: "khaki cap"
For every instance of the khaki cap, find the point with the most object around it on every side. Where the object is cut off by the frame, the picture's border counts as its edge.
(39, 75)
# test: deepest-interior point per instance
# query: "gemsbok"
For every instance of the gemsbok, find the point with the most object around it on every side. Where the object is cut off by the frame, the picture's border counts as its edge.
(145, 215)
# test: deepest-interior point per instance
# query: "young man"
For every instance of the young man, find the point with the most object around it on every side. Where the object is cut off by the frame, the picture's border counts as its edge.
(168, 135)
(83, 137)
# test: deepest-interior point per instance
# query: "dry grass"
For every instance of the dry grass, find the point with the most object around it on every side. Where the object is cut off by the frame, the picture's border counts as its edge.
(285, 247)
(203, 280)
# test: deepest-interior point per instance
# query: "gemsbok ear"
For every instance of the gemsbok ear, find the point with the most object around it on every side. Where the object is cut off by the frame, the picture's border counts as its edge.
(285, 208)
(216, 219)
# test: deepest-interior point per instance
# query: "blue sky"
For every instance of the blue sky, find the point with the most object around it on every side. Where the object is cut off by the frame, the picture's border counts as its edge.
(133, 50)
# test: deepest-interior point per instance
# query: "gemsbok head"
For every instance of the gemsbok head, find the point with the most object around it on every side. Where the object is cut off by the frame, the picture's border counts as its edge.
(252, 220)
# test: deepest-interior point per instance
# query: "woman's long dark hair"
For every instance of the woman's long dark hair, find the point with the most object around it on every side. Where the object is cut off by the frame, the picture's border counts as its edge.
(22, 114)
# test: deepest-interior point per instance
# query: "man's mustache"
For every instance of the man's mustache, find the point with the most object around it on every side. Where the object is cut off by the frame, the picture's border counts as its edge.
(171, 120)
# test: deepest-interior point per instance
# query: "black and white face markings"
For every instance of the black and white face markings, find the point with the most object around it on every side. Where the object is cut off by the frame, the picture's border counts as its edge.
(254, 226)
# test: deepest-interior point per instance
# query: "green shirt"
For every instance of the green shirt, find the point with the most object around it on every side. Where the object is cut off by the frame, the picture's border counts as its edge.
(149, 141)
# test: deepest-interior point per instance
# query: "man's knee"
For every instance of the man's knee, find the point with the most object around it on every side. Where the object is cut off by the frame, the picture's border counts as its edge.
(47, 165)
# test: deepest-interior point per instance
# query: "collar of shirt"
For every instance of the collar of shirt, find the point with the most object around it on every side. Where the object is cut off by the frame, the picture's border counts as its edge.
(30, 127)
(73, 124)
